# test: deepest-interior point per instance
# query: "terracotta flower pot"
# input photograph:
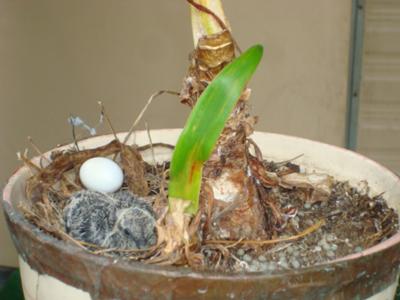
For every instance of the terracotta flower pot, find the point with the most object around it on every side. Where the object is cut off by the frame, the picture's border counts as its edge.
(52, 269)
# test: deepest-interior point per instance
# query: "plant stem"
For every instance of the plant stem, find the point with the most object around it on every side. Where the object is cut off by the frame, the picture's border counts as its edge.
(228, 165)
(205, 124)
(208, 18)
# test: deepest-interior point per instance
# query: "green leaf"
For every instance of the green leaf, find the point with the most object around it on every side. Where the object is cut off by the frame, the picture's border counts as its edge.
(205, 124)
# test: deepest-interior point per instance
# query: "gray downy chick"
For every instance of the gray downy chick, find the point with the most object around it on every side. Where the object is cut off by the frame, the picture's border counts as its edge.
(89, 216)
(118, 220)
(134, 228)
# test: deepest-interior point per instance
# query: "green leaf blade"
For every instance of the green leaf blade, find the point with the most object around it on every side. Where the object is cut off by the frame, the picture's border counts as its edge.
(206, 123)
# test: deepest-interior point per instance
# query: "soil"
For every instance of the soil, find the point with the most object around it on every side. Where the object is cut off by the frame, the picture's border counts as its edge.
(306, 230)
(353, 222)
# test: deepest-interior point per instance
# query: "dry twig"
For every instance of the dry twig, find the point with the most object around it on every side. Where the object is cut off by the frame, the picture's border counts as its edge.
(309, 230)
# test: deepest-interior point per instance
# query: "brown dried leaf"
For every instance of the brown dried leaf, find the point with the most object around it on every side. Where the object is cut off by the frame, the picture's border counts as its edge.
(134, 170)
(194, 259)
(194, 226)
(259, 171)
(320, 183)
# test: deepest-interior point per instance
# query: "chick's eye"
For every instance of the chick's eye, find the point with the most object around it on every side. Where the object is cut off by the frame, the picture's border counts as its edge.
(127, 232)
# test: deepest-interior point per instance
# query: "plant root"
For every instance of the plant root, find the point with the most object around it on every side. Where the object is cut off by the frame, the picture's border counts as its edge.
(306, 232)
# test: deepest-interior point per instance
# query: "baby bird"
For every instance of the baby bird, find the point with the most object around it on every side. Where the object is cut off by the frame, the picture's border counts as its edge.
(119, 220)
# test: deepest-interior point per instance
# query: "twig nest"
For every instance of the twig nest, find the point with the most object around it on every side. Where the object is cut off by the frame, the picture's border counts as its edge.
(118, 220)
(101, 174)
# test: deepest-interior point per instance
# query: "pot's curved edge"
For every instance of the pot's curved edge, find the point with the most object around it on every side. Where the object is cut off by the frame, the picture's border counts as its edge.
(396, 182)
(341, 149)
(100, 275)
(18, 225)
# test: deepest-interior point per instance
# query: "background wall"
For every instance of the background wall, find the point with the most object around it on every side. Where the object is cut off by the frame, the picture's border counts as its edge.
(61, 56)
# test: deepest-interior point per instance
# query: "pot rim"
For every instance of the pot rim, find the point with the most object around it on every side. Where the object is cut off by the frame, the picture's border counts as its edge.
(16, 217)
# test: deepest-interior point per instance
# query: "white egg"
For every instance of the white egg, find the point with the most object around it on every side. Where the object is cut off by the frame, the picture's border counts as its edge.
(101, 174)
